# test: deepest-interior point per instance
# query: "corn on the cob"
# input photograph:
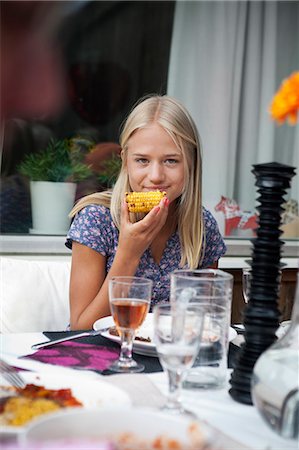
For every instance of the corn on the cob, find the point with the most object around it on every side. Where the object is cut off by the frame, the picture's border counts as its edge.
(143, 201)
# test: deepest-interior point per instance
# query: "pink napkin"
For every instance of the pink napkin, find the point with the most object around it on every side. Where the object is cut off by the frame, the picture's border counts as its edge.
(77, 355)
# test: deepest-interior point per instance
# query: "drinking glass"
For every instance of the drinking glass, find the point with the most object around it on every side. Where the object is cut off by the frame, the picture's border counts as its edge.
(129, 299)
(211, 289)
(177, 335)
(246, 277)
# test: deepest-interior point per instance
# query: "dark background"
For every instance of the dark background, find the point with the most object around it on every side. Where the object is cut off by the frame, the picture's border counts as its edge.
(115, 52)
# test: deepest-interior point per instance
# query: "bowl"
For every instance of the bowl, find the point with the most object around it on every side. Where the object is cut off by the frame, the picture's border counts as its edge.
(135, 429)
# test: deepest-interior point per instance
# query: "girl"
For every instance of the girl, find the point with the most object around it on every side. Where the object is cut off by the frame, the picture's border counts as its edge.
(160, 150)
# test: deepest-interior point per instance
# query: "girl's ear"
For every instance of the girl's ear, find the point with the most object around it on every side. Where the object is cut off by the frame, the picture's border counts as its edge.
(122, 154)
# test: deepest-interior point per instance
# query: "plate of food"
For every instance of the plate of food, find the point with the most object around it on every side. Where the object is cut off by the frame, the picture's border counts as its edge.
(144, 338)
(138, 428)
(48, 393)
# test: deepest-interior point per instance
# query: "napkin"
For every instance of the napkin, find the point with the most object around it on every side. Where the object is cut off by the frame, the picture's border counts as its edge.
(77, 355)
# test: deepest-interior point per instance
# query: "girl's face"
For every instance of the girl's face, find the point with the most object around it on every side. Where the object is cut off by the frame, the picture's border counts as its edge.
(155, 162)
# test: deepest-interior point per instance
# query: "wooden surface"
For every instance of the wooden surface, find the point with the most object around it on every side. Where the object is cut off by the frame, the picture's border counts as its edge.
(286, 298)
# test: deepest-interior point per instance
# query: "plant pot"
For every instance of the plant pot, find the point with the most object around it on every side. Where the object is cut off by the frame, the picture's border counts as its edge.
(51, 203)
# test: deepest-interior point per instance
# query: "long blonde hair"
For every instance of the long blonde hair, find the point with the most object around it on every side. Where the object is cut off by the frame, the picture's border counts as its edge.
(177, 122)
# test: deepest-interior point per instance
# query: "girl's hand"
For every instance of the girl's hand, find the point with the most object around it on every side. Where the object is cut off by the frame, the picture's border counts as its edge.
(135, 238)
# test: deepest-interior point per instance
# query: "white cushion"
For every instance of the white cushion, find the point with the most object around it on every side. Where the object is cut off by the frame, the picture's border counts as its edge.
(34, 295)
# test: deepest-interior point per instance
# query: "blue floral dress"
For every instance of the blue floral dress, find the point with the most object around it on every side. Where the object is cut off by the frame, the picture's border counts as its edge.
(93, 226)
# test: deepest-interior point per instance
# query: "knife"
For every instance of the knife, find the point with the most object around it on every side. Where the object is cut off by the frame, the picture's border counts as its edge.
(68, 338)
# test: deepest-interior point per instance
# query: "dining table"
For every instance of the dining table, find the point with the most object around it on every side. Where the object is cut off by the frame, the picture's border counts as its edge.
(237, 426)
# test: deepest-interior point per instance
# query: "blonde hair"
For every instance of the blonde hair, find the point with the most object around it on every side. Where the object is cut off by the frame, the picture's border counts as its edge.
(177, 122)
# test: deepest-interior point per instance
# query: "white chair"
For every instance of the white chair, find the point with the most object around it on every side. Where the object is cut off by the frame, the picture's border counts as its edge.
(34, 295)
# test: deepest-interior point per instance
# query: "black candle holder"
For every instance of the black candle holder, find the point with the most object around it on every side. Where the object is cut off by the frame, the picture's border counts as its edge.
(261, 315)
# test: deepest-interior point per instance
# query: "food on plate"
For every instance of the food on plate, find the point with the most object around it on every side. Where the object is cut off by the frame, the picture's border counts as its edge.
(208, 337)
(123, 429)
(20, 410)
(142, 202)
(131, 441)
(127, 441)
(32, 401)
(114, 332)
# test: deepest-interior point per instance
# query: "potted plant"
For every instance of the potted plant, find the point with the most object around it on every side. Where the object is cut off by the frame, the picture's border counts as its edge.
(105, 161)
(53, 175)
(110, 171)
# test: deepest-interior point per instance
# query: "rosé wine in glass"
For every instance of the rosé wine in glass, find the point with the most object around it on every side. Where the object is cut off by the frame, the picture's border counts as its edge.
(129, 299)
(129, 313)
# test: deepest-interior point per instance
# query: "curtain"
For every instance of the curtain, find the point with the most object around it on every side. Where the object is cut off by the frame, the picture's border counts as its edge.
(227, 61)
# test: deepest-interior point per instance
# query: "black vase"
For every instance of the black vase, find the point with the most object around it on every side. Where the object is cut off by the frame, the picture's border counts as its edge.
(261, 316)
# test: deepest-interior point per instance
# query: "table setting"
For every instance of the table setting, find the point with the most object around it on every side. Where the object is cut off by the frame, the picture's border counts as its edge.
(175, 395)
(235, 426)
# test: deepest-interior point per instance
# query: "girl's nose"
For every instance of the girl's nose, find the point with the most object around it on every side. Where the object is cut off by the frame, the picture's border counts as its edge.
(156, 172)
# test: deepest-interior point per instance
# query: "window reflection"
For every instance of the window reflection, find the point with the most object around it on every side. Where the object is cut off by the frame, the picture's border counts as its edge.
(114, 53)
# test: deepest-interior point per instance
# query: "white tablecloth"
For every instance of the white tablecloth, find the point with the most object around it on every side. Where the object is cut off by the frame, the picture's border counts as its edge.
(239, 422)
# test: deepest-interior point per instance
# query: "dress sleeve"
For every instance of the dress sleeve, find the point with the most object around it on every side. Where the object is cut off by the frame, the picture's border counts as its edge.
(214, 246)
(91, 227)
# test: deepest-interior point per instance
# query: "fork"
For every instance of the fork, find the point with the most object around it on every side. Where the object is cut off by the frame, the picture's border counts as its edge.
(10, 374)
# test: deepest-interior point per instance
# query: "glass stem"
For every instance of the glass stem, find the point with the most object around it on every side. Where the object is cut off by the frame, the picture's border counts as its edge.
(174, 389)
(127, 337)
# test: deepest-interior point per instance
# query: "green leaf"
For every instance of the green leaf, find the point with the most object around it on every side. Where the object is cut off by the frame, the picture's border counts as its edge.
(54, 164)
(111, 168)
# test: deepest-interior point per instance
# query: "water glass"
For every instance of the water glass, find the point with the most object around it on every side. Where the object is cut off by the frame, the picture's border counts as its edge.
(129, 299)
(211, 289)
(177, 334)
(246, 278)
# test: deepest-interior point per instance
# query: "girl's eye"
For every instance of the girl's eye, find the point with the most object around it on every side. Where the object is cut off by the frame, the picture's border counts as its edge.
(171, 161)
(141, 160)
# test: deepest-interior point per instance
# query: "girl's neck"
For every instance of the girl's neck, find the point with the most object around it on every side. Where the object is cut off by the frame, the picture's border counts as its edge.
(158, 245)
(171, 223)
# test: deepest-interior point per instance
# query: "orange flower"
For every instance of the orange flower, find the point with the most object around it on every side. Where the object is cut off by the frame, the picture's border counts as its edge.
(285, 103)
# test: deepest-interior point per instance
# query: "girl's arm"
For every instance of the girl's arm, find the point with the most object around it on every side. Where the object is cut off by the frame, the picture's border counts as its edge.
(89, 299)
(89, 284)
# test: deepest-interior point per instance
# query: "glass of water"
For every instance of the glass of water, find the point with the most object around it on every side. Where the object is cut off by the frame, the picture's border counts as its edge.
(246, 278)
(177, 335)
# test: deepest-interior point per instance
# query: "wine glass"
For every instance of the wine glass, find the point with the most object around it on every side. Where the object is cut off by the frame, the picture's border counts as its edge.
(246, 278)
(177, 336)
(129, 299)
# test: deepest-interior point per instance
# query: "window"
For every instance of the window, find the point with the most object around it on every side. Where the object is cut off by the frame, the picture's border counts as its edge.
(114, 53)
(223, 60)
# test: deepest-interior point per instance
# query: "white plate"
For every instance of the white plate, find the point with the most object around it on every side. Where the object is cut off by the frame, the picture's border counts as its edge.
(92, 393)
(146, 330)
(283, 328)
(146, 424)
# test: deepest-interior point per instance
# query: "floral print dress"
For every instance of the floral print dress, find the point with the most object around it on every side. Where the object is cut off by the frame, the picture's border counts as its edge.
(93, 227)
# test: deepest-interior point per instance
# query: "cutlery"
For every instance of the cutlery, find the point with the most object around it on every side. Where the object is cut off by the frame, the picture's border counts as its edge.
(68, 338)
(11, 375)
